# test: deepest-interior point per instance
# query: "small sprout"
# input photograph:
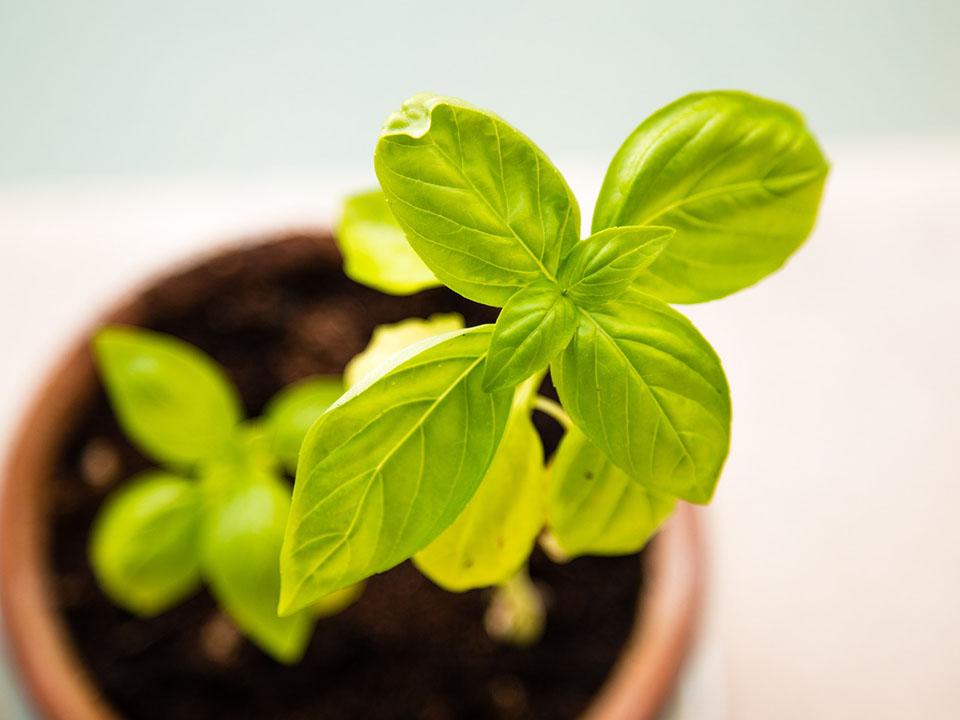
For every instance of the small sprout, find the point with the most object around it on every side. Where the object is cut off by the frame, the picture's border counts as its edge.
(217, 515)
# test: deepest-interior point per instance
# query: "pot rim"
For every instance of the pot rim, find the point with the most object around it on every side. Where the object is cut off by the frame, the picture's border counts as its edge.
(41, 653)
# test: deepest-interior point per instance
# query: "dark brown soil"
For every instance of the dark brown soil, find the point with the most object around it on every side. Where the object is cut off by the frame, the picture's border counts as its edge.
(271, 315)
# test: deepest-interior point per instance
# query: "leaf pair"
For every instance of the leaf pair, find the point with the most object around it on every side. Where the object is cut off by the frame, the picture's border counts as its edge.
(219, 513)
(538, 321)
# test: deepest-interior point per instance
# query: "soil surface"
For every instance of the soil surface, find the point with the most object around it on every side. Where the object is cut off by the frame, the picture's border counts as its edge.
(271, 315)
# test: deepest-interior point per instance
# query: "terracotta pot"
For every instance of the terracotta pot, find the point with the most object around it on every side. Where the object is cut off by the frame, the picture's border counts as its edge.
(54, 676)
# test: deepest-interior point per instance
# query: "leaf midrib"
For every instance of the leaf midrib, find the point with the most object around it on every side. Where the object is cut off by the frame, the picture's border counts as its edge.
(800, 178)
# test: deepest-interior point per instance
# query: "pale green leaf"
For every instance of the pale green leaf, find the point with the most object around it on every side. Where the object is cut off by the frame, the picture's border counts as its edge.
(293, 410)
(375, 250)
(739, 177)
(240, 549)
(387, 340)
(594, 507)
(604, 265)
(143, 547)
(492, 538)
(534, 325)
(386, 469)
(645, 387)
(171, 399)
(479, 202)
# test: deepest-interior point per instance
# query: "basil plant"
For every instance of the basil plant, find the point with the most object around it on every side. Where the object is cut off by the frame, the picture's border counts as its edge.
(431, 453)
(215, 512)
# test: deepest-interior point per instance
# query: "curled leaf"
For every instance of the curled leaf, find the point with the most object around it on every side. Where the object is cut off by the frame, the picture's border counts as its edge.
(482, 205)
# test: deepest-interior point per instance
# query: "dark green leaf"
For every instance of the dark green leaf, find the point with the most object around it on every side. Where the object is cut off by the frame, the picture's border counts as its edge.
(479, 202)
(644, 386)
(739, 177)
(535, 325)
(391, 465)
(144, 545)
(172, 400)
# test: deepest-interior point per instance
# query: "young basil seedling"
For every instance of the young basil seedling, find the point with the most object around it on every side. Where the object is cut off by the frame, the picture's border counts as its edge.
(217, 513)
(432, 455)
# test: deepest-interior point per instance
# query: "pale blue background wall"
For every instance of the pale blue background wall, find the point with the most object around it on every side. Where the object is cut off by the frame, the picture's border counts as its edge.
(125, 88)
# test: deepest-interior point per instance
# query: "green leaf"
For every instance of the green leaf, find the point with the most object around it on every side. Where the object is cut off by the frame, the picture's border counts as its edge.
(293, 410)
(391, 465)
(479, 202)
(242, 534)
(492, 538)
(594, 508)
(644, 386)
(143, 547)
(535, 325)
(171, 399)
(739, 177)
(375, 250)
(390, 339)
(604, 265)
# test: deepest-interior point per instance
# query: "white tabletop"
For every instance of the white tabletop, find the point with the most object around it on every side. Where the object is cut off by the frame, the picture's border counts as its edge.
(836, 573)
